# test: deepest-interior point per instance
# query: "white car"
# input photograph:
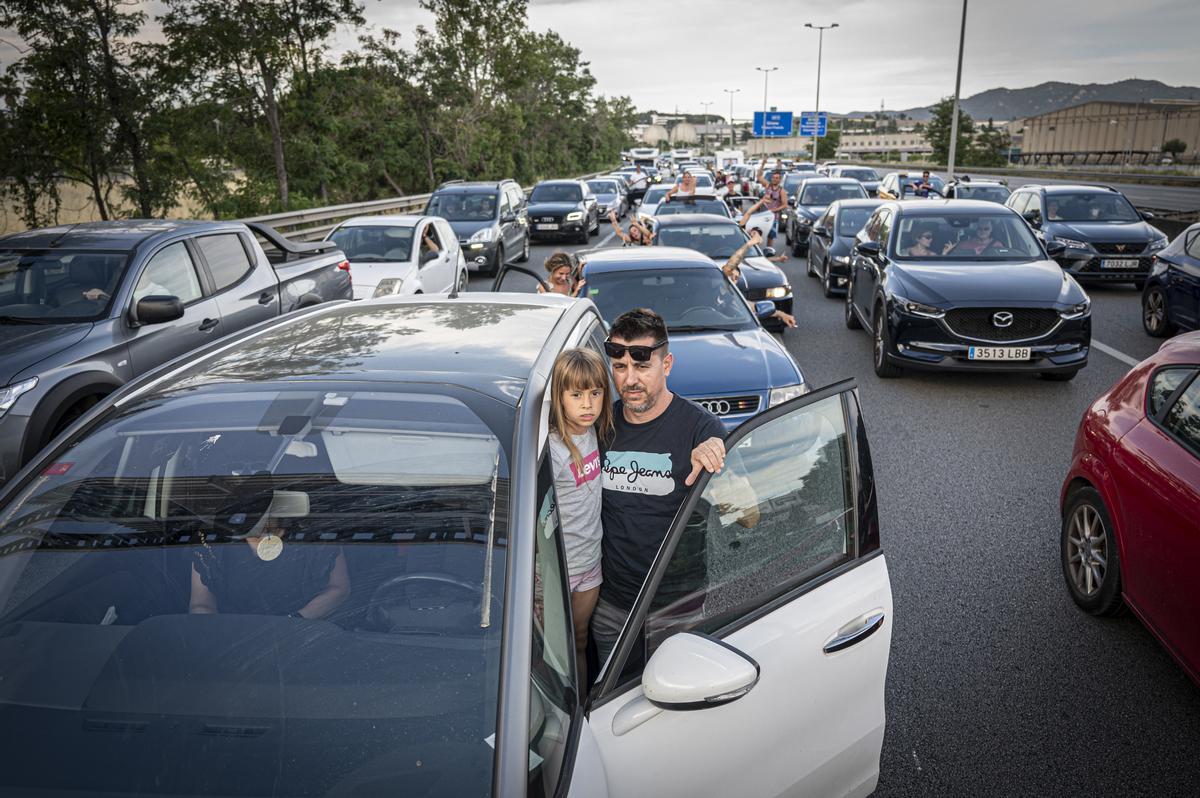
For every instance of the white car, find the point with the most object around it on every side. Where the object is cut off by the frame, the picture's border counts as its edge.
(654, 195)
(388, 258)
(761, 220)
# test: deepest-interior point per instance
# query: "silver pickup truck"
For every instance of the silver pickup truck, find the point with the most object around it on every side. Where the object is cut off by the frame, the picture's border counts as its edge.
(85, 308)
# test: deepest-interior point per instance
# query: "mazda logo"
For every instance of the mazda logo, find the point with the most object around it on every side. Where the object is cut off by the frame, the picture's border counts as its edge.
(718, 407)
(1002, 319)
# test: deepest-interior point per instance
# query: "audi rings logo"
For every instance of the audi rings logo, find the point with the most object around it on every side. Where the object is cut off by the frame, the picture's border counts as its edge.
(718, 407)
(1002, 319)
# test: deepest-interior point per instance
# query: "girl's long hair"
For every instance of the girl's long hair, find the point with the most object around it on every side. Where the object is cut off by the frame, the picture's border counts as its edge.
(580, 370)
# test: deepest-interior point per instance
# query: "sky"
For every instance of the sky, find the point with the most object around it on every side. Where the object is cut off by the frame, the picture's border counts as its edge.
(669, 53)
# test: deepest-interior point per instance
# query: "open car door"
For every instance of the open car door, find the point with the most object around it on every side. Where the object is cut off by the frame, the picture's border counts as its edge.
(764, 624)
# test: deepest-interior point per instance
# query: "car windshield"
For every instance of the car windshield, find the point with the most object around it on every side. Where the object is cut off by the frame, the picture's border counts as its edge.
(462, 206)
(1089, 206)
(851, 220)
(858, 174)
(687, 299)
(604, 187)
(987, 193)
(692, 205)
(382, 243)
(825, 194)
(717, 241)
(556, 192)
(304, 586)
(959, 236)
(59, 285)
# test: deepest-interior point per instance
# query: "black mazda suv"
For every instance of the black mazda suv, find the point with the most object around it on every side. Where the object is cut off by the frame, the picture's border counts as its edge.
(1104, 237)
(963, 285)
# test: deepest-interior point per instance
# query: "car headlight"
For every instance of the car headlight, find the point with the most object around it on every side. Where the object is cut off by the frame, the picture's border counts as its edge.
(1077, 311)
(787, 392)
(1071, 243)
(9, 395)
(574, 216)
(777, 291)
(841, 260)
(483, 235)
(920, 309)
(389, 287)
(1159, 243)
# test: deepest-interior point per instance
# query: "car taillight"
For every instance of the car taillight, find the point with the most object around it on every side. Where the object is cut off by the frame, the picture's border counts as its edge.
(344, 265)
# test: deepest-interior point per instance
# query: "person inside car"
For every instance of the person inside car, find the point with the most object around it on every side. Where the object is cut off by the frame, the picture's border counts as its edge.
(563, 278)
(923, 248)
(638, 235)
(923, 188)
(685, 188)
(981, 243)
(1053, 213)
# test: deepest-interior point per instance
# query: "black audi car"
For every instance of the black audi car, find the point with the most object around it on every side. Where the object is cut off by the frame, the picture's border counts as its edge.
(562, 209)
(719, 237)
(963, 285)
(815, 196)
(1104, 237)
(832, 240)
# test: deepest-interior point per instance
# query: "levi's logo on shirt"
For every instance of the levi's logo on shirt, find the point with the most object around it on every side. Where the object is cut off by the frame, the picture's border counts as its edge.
(591, 469)
(650, 473)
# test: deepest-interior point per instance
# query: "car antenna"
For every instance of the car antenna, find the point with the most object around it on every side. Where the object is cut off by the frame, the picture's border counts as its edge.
(64, 234)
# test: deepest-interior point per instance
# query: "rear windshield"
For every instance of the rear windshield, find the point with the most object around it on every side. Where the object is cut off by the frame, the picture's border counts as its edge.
(987, 193)
(691, 205)
(603, 186)
(556, 193)
(851, 220)
(374, 243)
(461, 206)
(830, 193)
(687, 299)
(717, 241)
(655, 194)
(858, 174)
(58, 286)
(1089, 206)
(259, 592)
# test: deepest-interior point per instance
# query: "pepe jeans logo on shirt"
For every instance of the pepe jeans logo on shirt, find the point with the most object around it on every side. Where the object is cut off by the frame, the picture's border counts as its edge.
(639, 472)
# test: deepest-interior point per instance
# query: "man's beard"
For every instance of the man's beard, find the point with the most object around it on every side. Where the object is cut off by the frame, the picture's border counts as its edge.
(651, 400)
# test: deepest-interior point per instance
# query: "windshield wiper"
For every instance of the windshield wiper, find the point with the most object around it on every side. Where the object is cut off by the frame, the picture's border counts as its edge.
(373, 259)
(706, 328)
(27, 320)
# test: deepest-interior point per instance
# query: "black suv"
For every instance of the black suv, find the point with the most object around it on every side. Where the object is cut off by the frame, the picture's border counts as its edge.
(563, 209)
(488, 218)
(1105, 237)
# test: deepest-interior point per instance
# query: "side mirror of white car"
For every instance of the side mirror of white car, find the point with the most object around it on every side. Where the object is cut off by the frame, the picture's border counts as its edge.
(695, 671)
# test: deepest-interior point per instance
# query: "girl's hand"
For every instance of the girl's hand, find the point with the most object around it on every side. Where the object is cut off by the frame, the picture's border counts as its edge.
(578, 287)
(541, 288)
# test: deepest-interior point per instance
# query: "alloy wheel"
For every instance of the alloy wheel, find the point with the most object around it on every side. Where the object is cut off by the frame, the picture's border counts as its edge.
(1087, 550)
(1154, 311)
(879, 354)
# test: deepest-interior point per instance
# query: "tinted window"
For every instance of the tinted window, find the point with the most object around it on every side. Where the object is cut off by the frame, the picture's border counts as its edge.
(825, 194)
(464, 206)
(717, 241)
(1000, 236)
(986, 193)
(169, 273)
(792, 182)
(1164, 384)
(1089, 206)
(58, 285)
(858, 174)
(1019, 201)
(1193, 245)
(778, 514)
(374, 243)
(226, 258)
(655, 195)
(603, 186)
(692, 205)
(371, 514)
(851, 220)
(1183, 419)
(556, 192)
(686, 298)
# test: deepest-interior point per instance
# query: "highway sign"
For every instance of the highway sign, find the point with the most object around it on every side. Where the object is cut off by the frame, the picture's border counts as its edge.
(812, 124)
(776, 123)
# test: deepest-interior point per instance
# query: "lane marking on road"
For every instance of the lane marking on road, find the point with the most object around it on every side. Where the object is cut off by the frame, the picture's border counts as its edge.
(1117, 353)
(607, 238)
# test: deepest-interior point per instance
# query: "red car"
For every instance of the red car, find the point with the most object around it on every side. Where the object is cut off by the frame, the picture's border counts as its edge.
(1131, 502)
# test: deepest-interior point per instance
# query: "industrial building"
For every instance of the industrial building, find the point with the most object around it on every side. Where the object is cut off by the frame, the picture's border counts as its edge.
(1108, 133)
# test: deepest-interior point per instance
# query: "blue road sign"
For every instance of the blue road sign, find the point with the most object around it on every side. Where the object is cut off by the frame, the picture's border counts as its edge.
(776, 123)
(812, 124)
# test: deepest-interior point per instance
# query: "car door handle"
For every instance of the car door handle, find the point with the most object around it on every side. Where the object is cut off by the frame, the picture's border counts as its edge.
(266, 298)
(856, 631)
(208, 324)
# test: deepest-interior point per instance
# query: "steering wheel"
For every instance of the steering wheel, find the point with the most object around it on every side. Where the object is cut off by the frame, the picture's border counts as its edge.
(390, 592)
(695, 308)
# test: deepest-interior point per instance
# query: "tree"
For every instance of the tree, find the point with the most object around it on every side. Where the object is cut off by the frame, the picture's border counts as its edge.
(1175, 147)
(827, 145)
(990, 147)
(937, 131)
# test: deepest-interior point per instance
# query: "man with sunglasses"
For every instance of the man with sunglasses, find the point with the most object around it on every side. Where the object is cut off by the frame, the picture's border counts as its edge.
(660, 444)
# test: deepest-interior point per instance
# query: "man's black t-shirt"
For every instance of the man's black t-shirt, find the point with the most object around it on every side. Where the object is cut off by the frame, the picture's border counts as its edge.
(644, 471)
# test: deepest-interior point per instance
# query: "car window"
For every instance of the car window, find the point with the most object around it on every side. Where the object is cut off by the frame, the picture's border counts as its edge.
(1164, 384)
(826, 219)
(1090, 206)
(1193, 244)
(505, 203)
(823, 194)
(58, 285)
(780, 513)
(226, 257)
(692, 205)
(556, 192)
(716, 240)
(885, 229)
(687, 299)
(554, 693)
(374, 242)
(1183, 418)
(851, 220)
(170, 272)
(402, 494)
(965, 236)
(1019, 201)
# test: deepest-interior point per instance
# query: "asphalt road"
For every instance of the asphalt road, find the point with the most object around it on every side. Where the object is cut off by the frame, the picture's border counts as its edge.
(997, 684)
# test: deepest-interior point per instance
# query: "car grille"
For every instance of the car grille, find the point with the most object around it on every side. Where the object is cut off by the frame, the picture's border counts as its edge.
(1126, 249)
(980, 323)
(729, 405)
(546, 219)
(1139, 265)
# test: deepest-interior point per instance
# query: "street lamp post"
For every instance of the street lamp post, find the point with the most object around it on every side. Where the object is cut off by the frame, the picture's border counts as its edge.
(766, 74)
(820, 29)
(962, 35)
(705, 123)
(731, 92)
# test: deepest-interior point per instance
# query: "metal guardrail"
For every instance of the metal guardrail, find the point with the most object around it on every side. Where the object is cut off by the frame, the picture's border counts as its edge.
(313, 224)
(1184, 181)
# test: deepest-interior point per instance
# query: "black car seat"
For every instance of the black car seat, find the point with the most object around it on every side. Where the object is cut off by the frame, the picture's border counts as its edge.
(84, 272)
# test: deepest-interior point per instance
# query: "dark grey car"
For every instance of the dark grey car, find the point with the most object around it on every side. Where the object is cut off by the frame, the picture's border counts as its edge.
(831, 243)
(86, 308)
(489, 219)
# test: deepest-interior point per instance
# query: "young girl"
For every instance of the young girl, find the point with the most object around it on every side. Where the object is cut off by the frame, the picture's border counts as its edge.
(580, 407)
(562, 276)
(638, 236)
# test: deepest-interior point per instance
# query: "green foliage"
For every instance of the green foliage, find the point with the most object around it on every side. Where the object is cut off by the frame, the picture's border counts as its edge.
(990, 147)
(1174, 147)
(937, 131)
(827, 145)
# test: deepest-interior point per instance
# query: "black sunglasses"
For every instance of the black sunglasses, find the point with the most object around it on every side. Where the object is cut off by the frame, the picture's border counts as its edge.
(640, 354)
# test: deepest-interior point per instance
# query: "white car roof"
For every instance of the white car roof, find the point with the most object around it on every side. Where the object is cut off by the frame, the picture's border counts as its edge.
(394, 220)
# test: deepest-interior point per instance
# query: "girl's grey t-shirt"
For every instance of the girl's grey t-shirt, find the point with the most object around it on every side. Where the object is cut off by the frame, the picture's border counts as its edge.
(578, 492)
